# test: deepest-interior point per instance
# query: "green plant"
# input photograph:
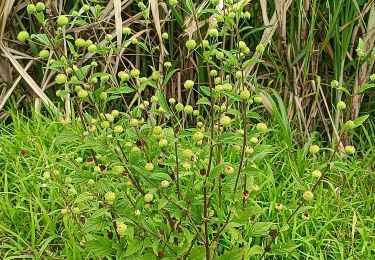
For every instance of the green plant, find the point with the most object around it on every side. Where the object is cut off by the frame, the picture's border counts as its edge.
(135, 171)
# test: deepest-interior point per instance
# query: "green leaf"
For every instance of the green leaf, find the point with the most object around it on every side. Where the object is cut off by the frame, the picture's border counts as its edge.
(40, 17)
(42, 39)
(344, 90)
(133, 247)
(205, 90)
(169, 76)
(366, 87)
(159, 176)
(254, 250)
(283, 248)
(120, 90)
(251, 62)
(96, 224)
(101, 246)
(260, 229)
(360, 120)
(203, 101)
(198, 253)
(163, 103)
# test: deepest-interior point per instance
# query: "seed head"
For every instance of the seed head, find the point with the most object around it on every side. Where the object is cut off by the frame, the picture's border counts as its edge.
(62, 20)
(149, 166)
(154, 99)
(197, 136)
(165, 184)
(213, 73)
(163, 142)
(213, 32)
(31, 8)
(103, 96)
(229, 169)
(135, 73)
(261, 127)
(105, 124)
(121, 228)
(190, 44)
(349, 124)
(349, 149)
(167, 64)
(126, 30)
(242, 45)
(316, 174)
(219, 55)
(308, 195)
(279, 206)
(148, 197)
(92, 48)
(205, 44)
(255, 188)
(82, 94)
(334, 83)
(40, 6)
(187, 153)
(341, 105)
(225, 120)
(254, 140)
(260, 48)
(227, 87)
(258, 100)
(179, 107)
(44, 54)
(23, 36)
(60, 79)
(245, 94)
(249, 150)
(164, 36)
(110, 197)
(118, 129)
(188, 109)
(186, 166)
(189, 84)
(314, 149)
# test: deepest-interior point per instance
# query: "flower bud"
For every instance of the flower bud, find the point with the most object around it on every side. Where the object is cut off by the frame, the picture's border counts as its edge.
(314, 149)
(316, 174)
(341, 105)
(148, 197)
(225, 120)
(349, 149)
(261, 127)
(308, 195)
(189, 84)
(110, 197)
(190, 44)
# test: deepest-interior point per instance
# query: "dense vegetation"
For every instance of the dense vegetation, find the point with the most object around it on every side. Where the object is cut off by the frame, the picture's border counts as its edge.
(187, 129)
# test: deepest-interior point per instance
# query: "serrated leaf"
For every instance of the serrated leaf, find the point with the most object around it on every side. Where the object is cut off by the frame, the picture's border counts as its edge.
(101, 246)
(133, 247)
(203, 101)
(169, 76)
(366, 87)
(283, 248)
(42, 39)
(120, 90)
(360, 120)
(344, 90)
(163, 103)
(251, 62)
(260, 229)
(96, 224)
